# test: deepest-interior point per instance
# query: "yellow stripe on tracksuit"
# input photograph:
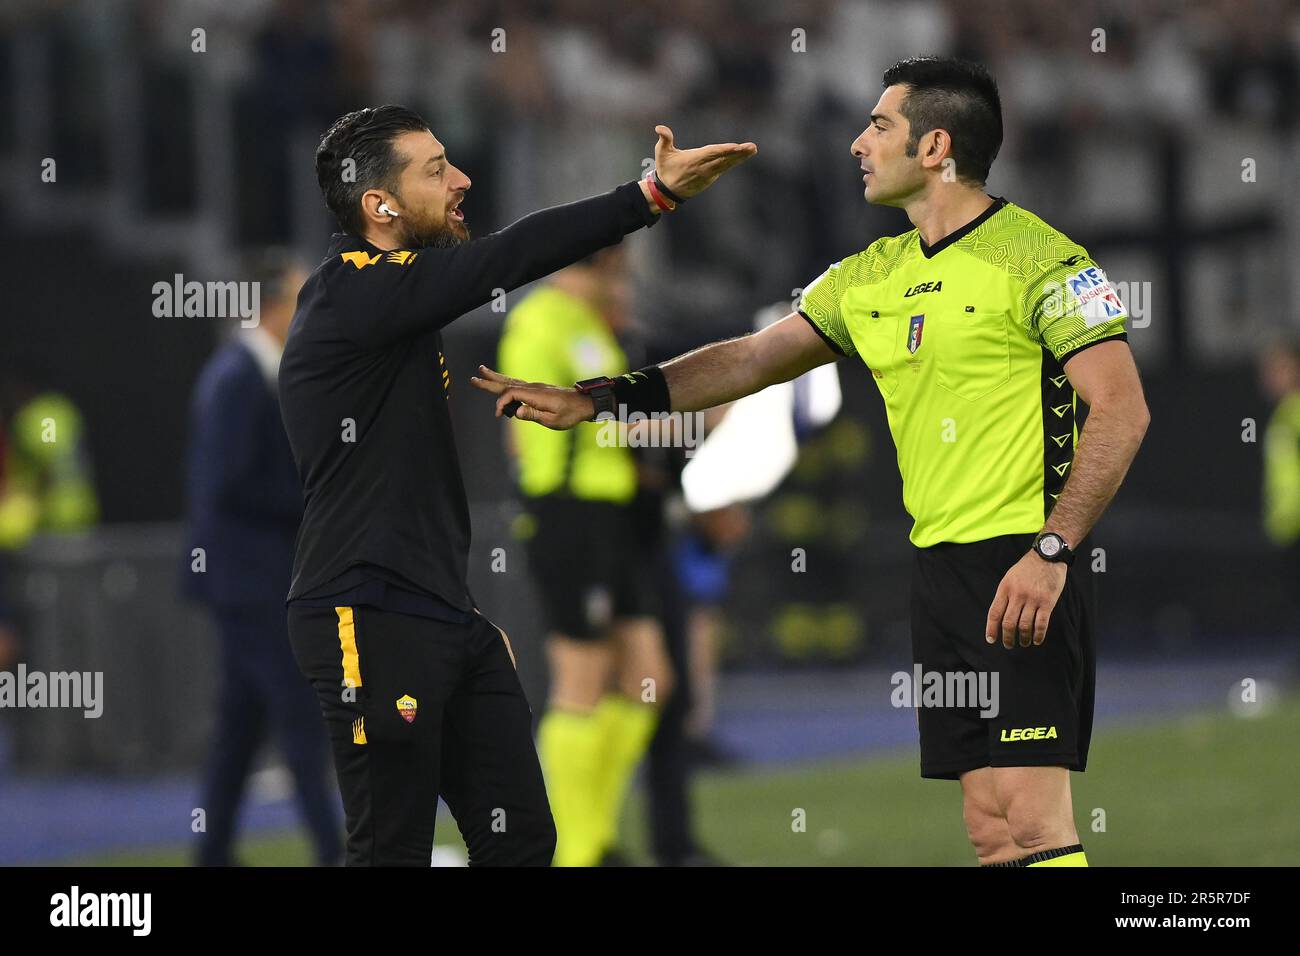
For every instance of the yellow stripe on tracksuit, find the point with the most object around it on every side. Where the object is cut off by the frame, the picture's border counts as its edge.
(351, 664)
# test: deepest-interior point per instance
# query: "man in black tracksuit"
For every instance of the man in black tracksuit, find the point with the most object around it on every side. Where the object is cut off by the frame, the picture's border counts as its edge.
(417, 687)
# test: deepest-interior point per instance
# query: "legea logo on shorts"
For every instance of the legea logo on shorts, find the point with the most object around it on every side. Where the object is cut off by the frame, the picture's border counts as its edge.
(1012, 734)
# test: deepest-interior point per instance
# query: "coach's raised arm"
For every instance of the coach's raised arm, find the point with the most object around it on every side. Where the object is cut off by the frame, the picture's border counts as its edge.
(389, 182)
(379, 596)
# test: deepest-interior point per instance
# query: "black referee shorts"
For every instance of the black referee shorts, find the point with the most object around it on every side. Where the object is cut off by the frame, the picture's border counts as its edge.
(417, 708)
(589, 565)
(1044, 693)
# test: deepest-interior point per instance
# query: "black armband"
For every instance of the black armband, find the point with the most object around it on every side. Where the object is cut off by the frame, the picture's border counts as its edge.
(645, 390)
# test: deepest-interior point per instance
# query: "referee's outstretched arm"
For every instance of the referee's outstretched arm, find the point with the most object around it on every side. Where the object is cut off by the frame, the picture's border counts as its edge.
(704, 378)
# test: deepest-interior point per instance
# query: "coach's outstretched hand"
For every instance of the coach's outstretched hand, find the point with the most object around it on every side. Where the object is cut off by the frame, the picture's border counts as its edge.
(688, 172)
(557, 408)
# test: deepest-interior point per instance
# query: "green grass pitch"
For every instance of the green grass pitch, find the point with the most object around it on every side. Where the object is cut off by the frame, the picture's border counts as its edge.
(1203, 790)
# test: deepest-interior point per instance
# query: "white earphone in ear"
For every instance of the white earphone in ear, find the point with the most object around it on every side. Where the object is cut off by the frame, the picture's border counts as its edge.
(383, 207)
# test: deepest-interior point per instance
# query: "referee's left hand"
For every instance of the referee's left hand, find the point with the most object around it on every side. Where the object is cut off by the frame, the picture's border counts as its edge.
(1024, 602)
(549, 405)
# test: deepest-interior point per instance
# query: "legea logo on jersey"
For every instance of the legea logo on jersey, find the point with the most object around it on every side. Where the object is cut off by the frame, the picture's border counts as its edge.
(914, 332)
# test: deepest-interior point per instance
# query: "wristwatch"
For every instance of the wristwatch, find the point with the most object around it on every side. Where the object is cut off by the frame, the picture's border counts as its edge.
(1050, 546)
(601, 391)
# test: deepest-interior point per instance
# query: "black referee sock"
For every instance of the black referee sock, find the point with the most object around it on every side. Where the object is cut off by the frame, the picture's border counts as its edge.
(1062, 856)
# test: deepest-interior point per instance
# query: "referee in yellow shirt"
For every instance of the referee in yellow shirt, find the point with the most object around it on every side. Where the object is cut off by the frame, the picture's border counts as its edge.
(982, 327)
(609, 667)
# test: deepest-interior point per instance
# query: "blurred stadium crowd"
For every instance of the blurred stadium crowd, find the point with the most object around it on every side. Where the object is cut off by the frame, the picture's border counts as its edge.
(517, 89)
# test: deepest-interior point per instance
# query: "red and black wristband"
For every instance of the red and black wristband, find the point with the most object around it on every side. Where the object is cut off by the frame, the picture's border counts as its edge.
(663, 197)
(676, 199)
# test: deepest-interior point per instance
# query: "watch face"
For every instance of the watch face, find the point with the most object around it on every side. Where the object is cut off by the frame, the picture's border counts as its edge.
(1049, 546)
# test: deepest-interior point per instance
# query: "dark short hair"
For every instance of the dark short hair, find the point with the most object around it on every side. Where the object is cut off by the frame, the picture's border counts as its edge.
(365, 137)
(955, 95)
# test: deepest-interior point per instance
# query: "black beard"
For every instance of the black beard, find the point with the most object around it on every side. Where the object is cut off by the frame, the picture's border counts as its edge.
(444, 238)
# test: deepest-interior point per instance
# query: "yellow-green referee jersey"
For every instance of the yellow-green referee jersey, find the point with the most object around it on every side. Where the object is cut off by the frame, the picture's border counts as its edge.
(966, 340)
(552, 336)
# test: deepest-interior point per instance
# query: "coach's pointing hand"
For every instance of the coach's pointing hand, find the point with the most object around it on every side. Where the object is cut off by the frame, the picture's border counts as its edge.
(688, 172)
(557, 408)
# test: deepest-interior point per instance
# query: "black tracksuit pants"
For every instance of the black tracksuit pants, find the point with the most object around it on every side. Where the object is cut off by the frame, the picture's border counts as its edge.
(418, 708)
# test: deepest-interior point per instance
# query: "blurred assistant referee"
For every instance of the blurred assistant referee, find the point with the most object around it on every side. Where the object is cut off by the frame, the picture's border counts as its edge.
(603, 636)
(417, 687)
(982, 328)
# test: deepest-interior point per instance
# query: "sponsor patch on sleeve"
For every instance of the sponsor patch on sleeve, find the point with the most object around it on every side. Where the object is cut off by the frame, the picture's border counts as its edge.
(1097, 298)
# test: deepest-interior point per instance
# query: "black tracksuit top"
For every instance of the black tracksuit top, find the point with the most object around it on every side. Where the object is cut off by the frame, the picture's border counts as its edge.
(363, 388)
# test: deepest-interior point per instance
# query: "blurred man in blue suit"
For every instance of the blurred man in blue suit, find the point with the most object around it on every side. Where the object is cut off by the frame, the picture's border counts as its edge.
(245, 504)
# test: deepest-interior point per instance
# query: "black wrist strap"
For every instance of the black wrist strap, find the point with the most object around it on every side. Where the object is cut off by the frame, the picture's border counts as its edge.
(645, 390)
(668, 193)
